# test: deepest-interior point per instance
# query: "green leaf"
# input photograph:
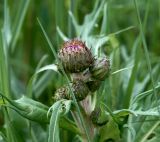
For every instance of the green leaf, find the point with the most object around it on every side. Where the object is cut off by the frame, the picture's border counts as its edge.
(149, 112)
(109, 131)
(111, 113)
(75, 24)
(147, 128)
(54, 123)
(47, 67)
(104, 21)
(41, 83)
(30, 109)
(69, 125)
(91, 19)
(43, 79)
(124, 112)
(58, 109)
(61, 34)
(143, 95)
(37, 112)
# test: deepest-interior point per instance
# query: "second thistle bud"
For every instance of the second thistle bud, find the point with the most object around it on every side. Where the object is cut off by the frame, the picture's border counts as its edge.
(93, 85)
(97, 117)
(78, 87)
(100, 69)
(75, 56)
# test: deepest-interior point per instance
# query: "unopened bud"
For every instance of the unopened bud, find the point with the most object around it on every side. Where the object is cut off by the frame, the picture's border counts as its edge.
(78, 87)
(93, 85)
(100, 69)
(96, 117)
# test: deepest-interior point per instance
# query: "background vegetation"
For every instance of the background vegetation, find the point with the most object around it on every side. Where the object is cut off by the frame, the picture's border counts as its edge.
(131, 42)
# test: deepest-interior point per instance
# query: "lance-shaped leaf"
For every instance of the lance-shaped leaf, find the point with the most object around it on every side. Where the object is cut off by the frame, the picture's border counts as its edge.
(37, 112)
(30, 109)
(58, 109)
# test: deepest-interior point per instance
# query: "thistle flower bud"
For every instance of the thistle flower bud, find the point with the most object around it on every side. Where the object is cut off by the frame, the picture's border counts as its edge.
(95, 115)
(100, 69)
(97, 118)
(79, 89)
(75, 56)
(93, 85)
(62, 93)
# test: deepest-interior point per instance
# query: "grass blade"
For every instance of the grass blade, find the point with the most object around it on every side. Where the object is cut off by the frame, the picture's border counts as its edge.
(18, 22)
(145, 49)
(47, 39)
(123, 69)
(128, 95)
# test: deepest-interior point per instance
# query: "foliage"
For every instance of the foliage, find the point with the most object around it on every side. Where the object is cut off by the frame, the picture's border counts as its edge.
(126, 106)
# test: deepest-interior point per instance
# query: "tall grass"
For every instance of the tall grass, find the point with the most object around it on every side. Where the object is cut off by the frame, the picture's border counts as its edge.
(127, 101)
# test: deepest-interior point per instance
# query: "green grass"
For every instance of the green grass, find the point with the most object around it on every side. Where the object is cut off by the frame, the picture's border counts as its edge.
(127, 101)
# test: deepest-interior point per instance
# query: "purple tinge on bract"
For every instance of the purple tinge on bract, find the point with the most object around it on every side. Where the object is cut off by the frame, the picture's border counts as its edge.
(75, 56)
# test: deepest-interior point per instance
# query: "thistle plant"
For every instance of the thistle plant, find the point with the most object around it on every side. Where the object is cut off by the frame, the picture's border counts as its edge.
(99, 81)
(76, 58)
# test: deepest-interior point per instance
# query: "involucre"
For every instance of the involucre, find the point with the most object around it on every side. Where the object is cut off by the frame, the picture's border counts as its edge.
(100, 69)
(78, 87)
(75, 56)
